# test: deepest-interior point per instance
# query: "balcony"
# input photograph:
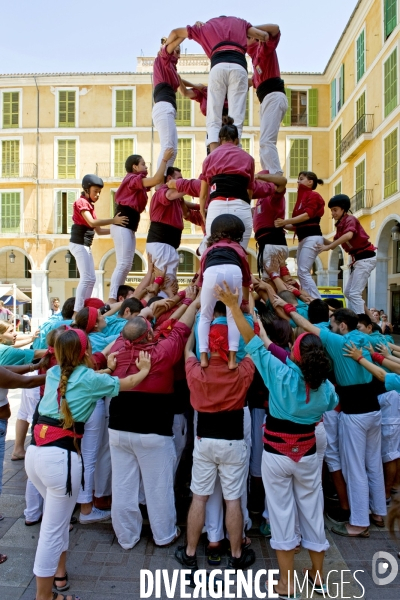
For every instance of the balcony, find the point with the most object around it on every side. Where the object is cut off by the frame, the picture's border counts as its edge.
(17, 227)
(357, 137)
(361, 200)
(18, 171)
(111, 170)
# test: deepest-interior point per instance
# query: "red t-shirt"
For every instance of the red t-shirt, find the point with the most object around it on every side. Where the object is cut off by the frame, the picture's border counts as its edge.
(233, 246)
(268, 209)
(228, 159)
(308, 201)
(265, 60)
(201, 98)
(191, 187)
(131, 192)
(220, 29)
(81, 205)
(164, 355)
(194, 216)
(166, 211)
(360, 239)
(164, 69)
(217, 387)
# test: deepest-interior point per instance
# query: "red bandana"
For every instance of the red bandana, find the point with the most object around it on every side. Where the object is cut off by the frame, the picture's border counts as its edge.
(92, 319)
(218, 340)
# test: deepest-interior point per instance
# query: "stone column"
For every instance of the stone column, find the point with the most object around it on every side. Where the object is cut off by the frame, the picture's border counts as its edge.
(40, 297)
(98, 290)
(322, 277)
(346, 275)
(378, 296)
(333, 279)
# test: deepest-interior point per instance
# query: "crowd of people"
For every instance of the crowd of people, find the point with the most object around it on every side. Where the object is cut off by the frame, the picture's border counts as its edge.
(267, 390)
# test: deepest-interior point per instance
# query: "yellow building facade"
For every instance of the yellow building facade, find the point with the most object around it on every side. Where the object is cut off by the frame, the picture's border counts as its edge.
(342, 124)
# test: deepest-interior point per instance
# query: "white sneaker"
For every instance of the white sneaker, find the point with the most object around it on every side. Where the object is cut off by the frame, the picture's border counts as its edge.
(95, 516)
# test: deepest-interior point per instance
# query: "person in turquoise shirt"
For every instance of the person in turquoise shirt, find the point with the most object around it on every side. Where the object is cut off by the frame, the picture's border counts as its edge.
(65, 318)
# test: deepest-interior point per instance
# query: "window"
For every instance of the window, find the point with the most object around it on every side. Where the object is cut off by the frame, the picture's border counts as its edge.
(337, 93)
(390, 16)
(184, 157)
(65, 207)
(10, 110)
(186, 262)
(187, 227)
(338, 188)
(360, 107)
(247, 113)
(123, 108)
(122, 149)
(73, 272)
(298, 107)
(360, 177)
(360, 51)
(10, 212)
(27, 268)
(137, 264)
(298, 157)
(66, 108)
(183, 110)
(302, 108)
(338, 149)
(291, 201)
(66, 166)
(390, 83)
(245, 144)
(391, 164)
(10, 158)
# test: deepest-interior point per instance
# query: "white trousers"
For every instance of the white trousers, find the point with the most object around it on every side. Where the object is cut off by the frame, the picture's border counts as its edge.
(306, 255)
(164, 257)
(125, 244)
(272, 111)
(29, 401)
(390, 409)
(291, 485)
(239, 208)
(164, 121)
(87, 276)
(356, 283)
(152, 456)
(34, 503)
(271, 252)
(360, 452)
(217, 274)
(179, 429)
(47, 468)
(102, 473)
(332, 453)
(90, 446)
(226, 79)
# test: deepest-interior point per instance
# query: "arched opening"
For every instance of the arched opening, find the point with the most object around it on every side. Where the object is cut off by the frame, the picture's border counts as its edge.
(335, 271)
(135, 275)
(188, 262)
(384, 282)
(317, 270)
(15, 267)
(63, 275)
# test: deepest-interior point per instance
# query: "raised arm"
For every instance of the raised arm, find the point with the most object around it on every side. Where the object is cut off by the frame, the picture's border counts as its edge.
(278, 180)
(273, 30)
(175, 37)
(357, 355)
(95, 223)
(185, 89)
(231, 301)
(298, 319)
(158, 177)
(258, 34)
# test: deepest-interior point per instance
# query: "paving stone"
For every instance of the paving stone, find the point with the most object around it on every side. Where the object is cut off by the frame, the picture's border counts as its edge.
(11, 593)
(21, 536)
(12, 505)
(17, 570)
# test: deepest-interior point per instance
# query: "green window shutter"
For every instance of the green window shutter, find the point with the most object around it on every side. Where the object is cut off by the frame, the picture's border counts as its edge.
(360, 49)
(66, 108)
(10, 212)
(245, 144)
(341, 86)
(390, 83)
(390, 16)
(71, 197)
(313, 107)
(292, 197)
(10, 110)
(59, 216)
(122, 149)
(66, 159)
(123, 108)
(338, 188)
(360, 106)
(360, 177)
(333, 99)
(287, 119)
(391, 164)
(183, 110)
(338, 142)
(247, 113)
(298, 157)
(10, 158)
(184, 157)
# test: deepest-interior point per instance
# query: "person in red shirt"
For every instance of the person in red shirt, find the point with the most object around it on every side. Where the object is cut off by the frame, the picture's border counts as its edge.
(165, 83)
(224, 40)
(269, 190)
(85, 223)
(224, 260)
(227, 175)
(131, 200)
(354, 240)
(271, 94)
(191, 211)
(305, 222)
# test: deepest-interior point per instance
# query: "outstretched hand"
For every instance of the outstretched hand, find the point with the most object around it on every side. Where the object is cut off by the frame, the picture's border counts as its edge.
(226, 296)
(278, 301)
(143, 363)
(351, 351)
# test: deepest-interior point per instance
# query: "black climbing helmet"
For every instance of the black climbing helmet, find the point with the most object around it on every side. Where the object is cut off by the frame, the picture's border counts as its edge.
(90, 180)
(340, 200)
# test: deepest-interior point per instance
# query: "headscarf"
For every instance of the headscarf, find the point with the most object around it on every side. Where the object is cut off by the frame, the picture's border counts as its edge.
(218, 340)
(94, 302)
(92, 319)
(297, 357)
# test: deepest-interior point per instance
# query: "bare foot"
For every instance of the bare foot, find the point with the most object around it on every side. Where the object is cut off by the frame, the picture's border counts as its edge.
(232, 364)
(204, 359)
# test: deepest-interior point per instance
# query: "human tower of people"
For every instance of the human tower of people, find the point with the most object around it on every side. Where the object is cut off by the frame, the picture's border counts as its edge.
(257, 379)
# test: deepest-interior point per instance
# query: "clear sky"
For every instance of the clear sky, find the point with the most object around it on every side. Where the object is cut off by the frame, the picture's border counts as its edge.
(44, 36)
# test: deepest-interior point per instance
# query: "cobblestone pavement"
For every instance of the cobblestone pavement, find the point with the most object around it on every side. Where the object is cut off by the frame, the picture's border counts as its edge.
(99, 569)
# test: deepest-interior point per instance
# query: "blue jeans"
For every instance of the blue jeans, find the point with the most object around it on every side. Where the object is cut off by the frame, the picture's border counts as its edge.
(3, 431)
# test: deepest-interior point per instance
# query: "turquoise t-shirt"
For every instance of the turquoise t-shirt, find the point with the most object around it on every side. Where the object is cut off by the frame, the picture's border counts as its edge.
(302, 309)
(55, 321)
(241, 353)
(347, 371)
(392, 382)
(99, 341)
(115, 325)
(15, 356)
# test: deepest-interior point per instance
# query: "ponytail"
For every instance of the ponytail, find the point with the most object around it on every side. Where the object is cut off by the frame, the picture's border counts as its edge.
(229, 131)
(312, 177)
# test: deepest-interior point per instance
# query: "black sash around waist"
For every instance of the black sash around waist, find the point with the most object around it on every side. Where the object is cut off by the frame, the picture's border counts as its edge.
(224, 425)
(164, 234)
(358, 399)
(308, 228)
(163, 92)
(230, 186)
(131, 213)
(362, 255)
(80, 234)
(229, 56)
(142, 412)
(278, 426)
(274, 84)
(267, 236)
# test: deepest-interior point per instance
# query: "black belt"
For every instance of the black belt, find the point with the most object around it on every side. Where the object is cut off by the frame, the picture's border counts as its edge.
(230, 186)
(163, 92)
(308, 228)
(80, 234)
(358, 399)
(274, 84)
(131, 213)
(229, 56)
(164, 234)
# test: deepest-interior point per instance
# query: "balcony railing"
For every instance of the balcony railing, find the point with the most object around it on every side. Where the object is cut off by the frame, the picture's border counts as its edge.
(298, 120)
(364, 125)
(18, 170)
(17, 226)
(116, 170)
(362, 199)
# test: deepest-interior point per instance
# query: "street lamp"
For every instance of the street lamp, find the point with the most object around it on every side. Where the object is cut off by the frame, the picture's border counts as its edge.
(181, 258)
(12, 257)
(68, 257)
(395, 231)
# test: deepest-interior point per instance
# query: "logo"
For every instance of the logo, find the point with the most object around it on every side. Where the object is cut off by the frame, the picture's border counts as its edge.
(384, 564)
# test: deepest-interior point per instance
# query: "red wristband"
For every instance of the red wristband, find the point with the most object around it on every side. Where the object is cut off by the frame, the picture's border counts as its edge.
(187, 301)
(359, 358)
(182, 294)
(296, 293)
(284, 271)
(159, 280)
(376, 357)
(289, 308)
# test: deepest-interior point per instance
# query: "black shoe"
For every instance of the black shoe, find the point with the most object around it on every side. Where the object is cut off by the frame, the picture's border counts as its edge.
(246, 559)
(184, 559)
(338, 515)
